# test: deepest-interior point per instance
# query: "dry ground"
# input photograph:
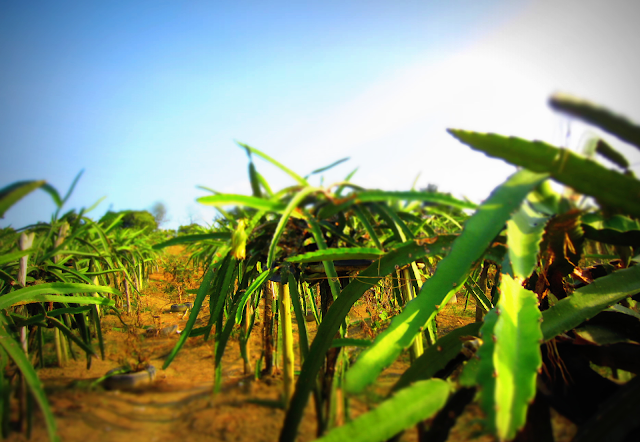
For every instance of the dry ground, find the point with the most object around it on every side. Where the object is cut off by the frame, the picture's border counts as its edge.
(179, 404)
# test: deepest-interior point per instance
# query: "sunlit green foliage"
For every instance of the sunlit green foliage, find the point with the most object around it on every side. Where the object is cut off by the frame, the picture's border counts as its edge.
(547, 238)
(552, 280)
(60, 275)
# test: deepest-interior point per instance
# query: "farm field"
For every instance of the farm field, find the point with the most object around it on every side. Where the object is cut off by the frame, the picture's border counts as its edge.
(180, 400)
(338, 313)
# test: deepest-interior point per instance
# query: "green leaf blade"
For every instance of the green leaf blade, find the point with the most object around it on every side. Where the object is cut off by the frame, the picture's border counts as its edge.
(524, 235)
(242, 200)
(588, 301)
(48, 292)
(485, 376)
(517, 356)
(585, 176)
(219, 237)
(598, 116)
(612, 154)
(479, 232)
(31, 377)
(13, 193)
(337, 254)
(405, 409)
(14, 256)
(280, 166)
(330, 166)
(432, 197)
(288, 211)
(254, 286)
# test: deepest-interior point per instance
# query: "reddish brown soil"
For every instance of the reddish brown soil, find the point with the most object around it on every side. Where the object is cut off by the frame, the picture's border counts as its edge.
(179, 405)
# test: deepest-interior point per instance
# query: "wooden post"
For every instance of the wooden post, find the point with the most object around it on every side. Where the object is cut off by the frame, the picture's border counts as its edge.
(62, 234)
(284, 307)
(417, 346)
(331, 359)
(267, 336)
(140, 277)
(24, 242)
(126, 290)
(246, 340)
(482, 283)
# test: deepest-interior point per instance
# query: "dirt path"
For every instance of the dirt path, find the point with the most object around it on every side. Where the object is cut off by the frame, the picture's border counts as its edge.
(178, 404)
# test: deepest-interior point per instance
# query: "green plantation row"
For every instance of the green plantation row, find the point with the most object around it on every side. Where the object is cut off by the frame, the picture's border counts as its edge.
(40, 268)
(554, 278)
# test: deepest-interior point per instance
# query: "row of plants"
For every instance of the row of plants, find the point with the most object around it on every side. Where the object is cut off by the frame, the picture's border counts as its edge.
(59, 277)
(553, 274)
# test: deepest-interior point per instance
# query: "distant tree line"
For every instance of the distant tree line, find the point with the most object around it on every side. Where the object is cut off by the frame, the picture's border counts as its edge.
(132, 219)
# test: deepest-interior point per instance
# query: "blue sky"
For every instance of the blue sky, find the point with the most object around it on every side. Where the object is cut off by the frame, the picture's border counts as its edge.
(148, 96)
